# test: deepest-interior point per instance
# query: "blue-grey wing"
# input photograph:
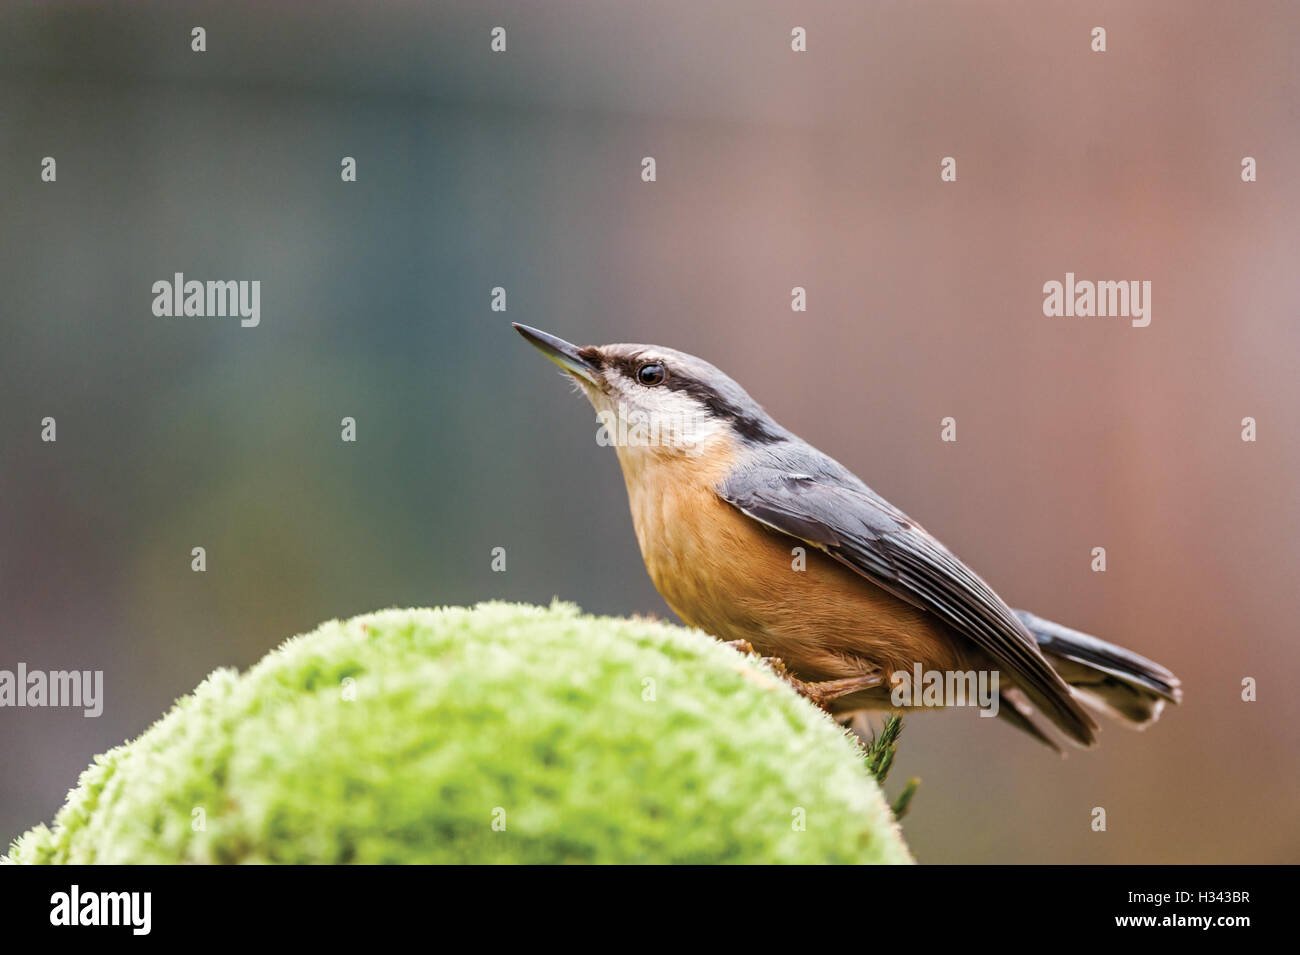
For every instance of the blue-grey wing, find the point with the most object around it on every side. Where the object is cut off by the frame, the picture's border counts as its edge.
(833, 511)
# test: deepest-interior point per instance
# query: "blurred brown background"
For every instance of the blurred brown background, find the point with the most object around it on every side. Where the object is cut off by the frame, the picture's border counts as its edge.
(775, 169)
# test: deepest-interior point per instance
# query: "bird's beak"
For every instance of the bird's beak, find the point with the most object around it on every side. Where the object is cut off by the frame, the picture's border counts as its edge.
(559, 351)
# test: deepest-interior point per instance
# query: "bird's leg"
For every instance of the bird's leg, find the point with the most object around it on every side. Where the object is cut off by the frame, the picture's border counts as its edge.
(828, 690)
(821, 693)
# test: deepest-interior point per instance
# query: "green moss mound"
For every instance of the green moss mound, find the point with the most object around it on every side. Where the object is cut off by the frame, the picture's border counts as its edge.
(502, 733)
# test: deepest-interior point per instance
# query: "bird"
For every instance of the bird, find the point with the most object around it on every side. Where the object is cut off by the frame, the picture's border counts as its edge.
(769, 545)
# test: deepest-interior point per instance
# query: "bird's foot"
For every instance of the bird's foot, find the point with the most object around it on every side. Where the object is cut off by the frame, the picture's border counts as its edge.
(820, 693)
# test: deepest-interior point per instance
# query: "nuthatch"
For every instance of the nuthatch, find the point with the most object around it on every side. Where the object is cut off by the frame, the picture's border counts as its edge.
(721, 496)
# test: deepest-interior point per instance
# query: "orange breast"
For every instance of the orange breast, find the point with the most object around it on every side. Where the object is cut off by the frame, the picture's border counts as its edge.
(736, 579)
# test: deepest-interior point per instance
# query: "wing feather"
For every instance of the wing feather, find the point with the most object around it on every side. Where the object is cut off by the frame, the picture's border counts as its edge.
(854, 525)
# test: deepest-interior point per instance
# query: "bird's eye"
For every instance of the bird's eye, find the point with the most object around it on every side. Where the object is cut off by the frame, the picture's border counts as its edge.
(652, 374)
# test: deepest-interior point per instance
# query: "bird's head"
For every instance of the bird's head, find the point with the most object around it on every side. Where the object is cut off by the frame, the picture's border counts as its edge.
(652, 400)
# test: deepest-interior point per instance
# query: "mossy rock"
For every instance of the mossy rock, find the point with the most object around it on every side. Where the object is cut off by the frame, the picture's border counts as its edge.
(501, 733)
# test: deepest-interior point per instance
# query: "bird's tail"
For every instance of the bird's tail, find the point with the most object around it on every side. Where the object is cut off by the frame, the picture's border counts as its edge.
(1115, 681)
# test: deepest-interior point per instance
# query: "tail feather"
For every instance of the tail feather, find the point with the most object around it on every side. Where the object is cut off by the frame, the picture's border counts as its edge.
(1019, 712)
(1116, 681)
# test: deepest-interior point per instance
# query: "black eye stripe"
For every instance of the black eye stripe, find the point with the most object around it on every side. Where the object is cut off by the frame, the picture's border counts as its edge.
(630, 367)
(626, 366)
(755, 429)
(752, 428)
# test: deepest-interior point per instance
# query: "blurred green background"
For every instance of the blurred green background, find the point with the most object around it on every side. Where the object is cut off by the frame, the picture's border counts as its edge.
(522, 170)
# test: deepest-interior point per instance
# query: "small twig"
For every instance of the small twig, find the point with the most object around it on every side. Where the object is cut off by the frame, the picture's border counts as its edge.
(881, 749)
(880, 757)
(905, 797)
